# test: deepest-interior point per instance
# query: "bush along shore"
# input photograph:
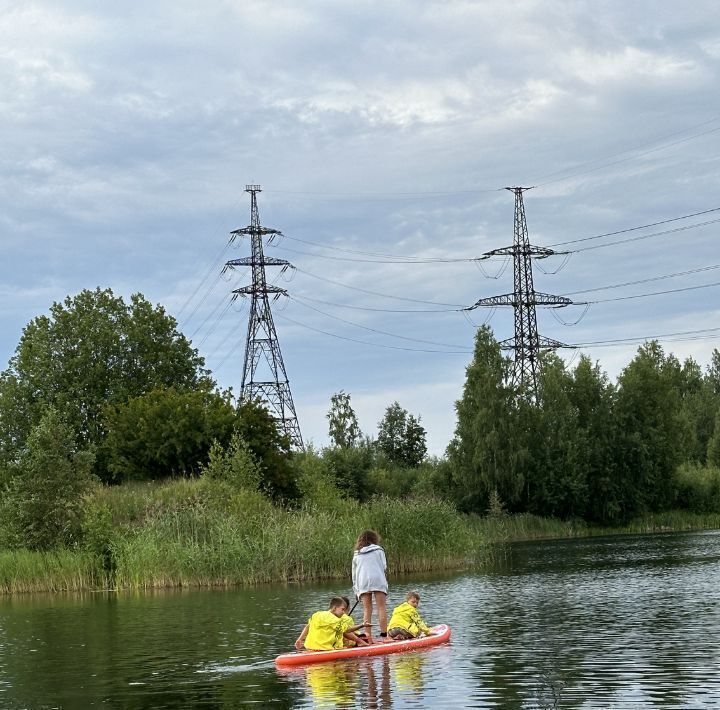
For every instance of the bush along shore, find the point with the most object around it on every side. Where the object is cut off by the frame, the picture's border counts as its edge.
(205, 532)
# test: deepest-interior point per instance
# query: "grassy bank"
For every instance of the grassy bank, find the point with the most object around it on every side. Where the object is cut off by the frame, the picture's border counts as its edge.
(203, 533)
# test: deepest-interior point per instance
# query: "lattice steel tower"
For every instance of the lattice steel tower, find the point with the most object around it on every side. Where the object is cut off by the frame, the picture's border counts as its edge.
(262, 346)
(527, 343)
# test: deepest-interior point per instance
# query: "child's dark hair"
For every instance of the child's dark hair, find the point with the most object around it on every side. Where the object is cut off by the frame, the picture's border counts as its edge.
(346, 600)
(336, 601)
(412, 595)
(367, 537)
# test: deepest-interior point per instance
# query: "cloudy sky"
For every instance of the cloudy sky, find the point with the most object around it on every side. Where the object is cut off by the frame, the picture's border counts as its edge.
(382, 134)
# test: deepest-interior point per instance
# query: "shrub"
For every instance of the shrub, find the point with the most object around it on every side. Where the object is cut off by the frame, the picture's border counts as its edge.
(42, 507)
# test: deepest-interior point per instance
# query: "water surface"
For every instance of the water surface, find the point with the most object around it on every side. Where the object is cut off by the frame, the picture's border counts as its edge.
(619, 622)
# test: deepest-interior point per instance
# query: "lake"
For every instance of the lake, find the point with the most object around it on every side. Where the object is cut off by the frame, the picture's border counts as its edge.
(613, 622)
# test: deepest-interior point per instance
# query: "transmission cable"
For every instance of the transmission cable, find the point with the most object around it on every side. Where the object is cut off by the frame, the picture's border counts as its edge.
(375, 330)
(634, 229)
(375, 293)
(643, 281)
(366, 342)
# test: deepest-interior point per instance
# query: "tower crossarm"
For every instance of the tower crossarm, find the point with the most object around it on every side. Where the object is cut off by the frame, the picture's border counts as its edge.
(253, 230)
(544, 343)
(536, 298)
(257, 289)
(254, 261)
(529, 250)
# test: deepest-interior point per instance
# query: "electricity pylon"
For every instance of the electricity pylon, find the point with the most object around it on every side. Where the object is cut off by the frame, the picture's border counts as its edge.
(527, 343)
(262, 346)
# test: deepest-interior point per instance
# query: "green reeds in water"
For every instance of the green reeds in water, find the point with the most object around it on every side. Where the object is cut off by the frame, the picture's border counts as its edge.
(54, 571)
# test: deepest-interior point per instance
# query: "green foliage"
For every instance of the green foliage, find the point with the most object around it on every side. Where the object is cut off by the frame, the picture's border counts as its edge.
(317, 482)
(401, 437)
(349, 466)
(344, 429)
(92, 350)
(650, 429)
(234, 464)
(42, 504)
(489, 451)
(557, 468)
(698, 488)
(165, 432)
(271, 450)
(592, 396)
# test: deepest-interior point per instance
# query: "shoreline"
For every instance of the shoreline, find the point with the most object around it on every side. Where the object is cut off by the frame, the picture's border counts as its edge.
(479, 542)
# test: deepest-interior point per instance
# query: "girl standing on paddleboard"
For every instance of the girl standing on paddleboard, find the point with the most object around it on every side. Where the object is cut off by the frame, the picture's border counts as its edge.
(369, 577)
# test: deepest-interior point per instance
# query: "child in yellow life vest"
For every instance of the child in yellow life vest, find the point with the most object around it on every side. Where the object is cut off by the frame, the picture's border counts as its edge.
(348, 624)
(324, 629)
(405, 622)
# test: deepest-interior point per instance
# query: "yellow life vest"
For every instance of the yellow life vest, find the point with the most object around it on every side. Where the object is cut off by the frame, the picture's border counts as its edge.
(325, 632)
(406, 617)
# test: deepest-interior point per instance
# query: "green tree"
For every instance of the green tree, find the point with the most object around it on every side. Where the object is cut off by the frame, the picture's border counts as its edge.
(401, 437)
(165, 432)
(651, 430)
(92, 350)
(592, 395)
(344, 429)
(350, 465)
(488, 451)
(556, 472)
(42, 505)
(271, 450)
(234, 464)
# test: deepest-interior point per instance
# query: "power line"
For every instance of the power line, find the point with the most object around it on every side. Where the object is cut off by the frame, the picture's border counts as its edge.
(375, 330)
(620, 341)
(634, 229)
(643, 281)
(408, 259)
(631, 157)
(656, 293)
(366, 342)
(648, 236)
(377, 310)
(375, 293)
(391, 260)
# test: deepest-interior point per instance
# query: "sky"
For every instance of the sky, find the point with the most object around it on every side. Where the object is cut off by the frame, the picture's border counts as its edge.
(382, 134)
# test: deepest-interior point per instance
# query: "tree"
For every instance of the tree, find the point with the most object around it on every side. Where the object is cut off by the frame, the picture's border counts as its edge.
(165, 432)
(651, 431)
(234, 464)
(488, 451)
(344, 429)
(556, 470)
(401, 437)
(270, 449)
(92, 350)
(592, 395)
(42, 505)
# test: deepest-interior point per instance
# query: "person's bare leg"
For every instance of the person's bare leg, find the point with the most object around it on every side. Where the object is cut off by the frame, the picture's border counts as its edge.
(367, 613)
(380, 598)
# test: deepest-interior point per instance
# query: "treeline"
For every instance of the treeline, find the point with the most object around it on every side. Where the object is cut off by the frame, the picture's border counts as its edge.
(101, 392)
(585, 447)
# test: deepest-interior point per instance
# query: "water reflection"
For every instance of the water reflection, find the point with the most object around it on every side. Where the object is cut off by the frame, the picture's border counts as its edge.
(628, 622)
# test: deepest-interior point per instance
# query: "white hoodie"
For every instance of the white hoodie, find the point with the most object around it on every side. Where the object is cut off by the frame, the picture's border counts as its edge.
(368, 570)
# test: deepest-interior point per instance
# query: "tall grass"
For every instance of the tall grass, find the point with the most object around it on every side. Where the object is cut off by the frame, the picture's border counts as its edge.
(56, 571)
(204, 532)
(254, 542)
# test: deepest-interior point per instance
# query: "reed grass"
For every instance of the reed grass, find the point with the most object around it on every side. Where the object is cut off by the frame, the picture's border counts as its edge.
(198, 532)
(56, 571)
